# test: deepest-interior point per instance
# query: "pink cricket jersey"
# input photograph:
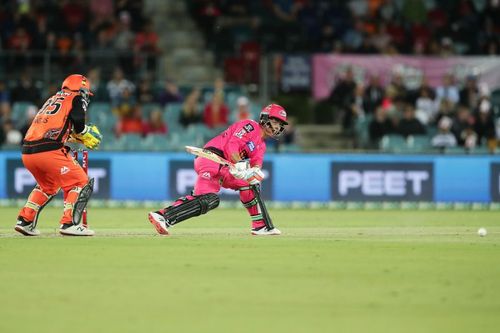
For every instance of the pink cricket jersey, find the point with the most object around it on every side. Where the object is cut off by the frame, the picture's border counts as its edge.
(243, 137)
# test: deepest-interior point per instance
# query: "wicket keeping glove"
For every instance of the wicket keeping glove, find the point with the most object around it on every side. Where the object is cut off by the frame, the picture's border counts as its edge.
(90, 137)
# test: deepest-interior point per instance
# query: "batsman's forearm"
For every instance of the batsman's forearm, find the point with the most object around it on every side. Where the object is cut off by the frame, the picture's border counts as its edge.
(235, 157)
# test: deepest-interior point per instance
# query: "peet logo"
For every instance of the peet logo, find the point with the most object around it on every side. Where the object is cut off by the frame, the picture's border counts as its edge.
(20, 182)
(182, 179)
(495, 182)
(382, 181)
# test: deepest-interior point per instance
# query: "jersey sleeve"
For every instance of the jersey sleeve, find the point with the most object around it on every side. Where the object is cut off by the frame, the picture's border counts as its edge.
(234, 146)
(77, 114)
(244, 141)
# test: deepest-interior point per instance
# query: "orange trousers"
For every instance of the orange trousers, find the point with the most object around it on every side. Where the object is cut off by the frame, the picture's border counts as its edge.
(53, 170)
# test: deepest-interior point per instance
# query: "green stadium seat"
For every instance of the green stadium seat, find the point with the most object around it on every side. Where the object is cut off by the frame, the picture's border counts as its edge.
(157, 142)
(148, 108)
(191, 137)
(205, 132)
(19, 110)
(11, 147)
(101, 115)
(418, 143)
(131, 141)
(495, 102)
(171, 115)
(455, 151)
(290, 148)
(481, 150)
(393, 144)
(361, 128)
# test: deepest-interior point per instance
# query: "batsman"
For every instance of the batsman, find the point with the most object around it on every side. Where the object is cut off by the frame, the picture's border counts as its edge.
(243, 144)
(61, 118)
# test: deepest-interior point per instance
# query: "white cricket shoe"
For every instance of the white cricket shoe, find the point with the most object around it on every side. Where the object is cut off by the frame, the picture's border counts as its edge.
(75, 230)
(26, 228)
(158, 221)
(264, 231)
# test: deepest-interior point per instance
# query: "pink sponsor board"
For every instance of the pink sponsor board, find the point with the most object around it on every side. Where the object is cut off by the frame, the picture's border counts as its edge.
(327, 68)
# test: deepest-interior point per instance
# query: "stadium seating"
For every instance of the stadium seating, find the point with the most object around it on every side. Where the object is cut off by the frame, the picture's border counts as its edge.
(100, 114)
(18, 114)
(393, 144)
(171, 115)
(418, 143)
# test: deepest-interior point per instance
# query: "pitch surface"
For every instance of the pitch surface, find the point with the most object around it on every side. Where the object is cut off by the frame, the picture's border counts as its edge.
(330, 271)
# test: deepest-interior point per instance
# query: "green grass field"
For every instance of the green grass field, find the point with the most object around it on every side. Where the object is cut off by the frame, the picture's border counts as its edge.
(331, 271)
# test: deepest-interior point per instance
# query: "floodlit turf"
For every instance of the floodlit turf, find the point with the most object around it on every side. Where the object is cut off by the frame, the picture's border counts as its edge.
(331, 271)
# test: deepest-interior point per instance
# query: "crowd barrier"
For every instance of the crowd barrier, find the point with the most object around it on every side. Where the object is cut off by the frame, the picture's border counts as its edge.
(290, 177)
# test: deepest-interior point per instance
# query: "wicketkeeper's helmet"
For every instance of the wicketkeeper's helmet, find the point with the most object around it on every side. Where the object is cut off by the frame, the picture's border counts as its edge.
(77, 83)
(274, 111)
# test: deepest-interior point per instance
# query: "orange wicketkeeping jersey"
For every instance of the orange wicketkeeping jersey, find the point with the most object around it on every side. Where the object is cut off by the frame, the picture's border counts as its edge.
(51, 126)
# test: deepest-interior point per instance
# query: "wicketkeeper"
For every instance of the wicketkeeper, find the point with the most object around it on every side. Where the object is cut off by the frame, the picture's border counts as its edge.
(243, 144)
(60, 119)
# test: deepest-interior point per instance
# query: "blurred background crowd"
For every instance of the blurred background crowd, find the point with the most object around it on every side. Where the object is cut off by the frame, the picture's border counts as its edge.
(169, 73)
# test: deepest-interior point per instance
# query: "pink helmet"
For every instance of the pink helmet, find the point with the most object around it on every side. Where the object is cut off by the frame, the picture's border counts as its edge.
(274, 111)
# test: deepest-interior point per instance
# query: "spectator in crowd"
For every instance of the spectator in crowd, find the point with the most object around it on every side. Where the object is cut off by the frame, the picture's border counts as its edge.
(398, 87)
(216, 113)
(446, 109)
(373, 94)
(99, 88)
(124, 41)
(155, 124)
(287, 140)
(461, 124)
(356, 109)
(425, 106)
(206, 14)
(343, 95)
(379, 126)
(418, 92)
(242, 109)
(190, 112)
(25, 90)
(145, 93)
(118, 85)
(30, 115)
(101, 8)
(2, 135)
(169, 94)
(469, 94)
(125, 105)
(409, 124)
(131, 123)
(12, 135)
(219, 85)
(290, 134)
(448, 90)
(4, 93)
(5, 110)
(20, 40)
(146, 46)
(381, 40)
(484, 125)
(444, 138)
(470, 138)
